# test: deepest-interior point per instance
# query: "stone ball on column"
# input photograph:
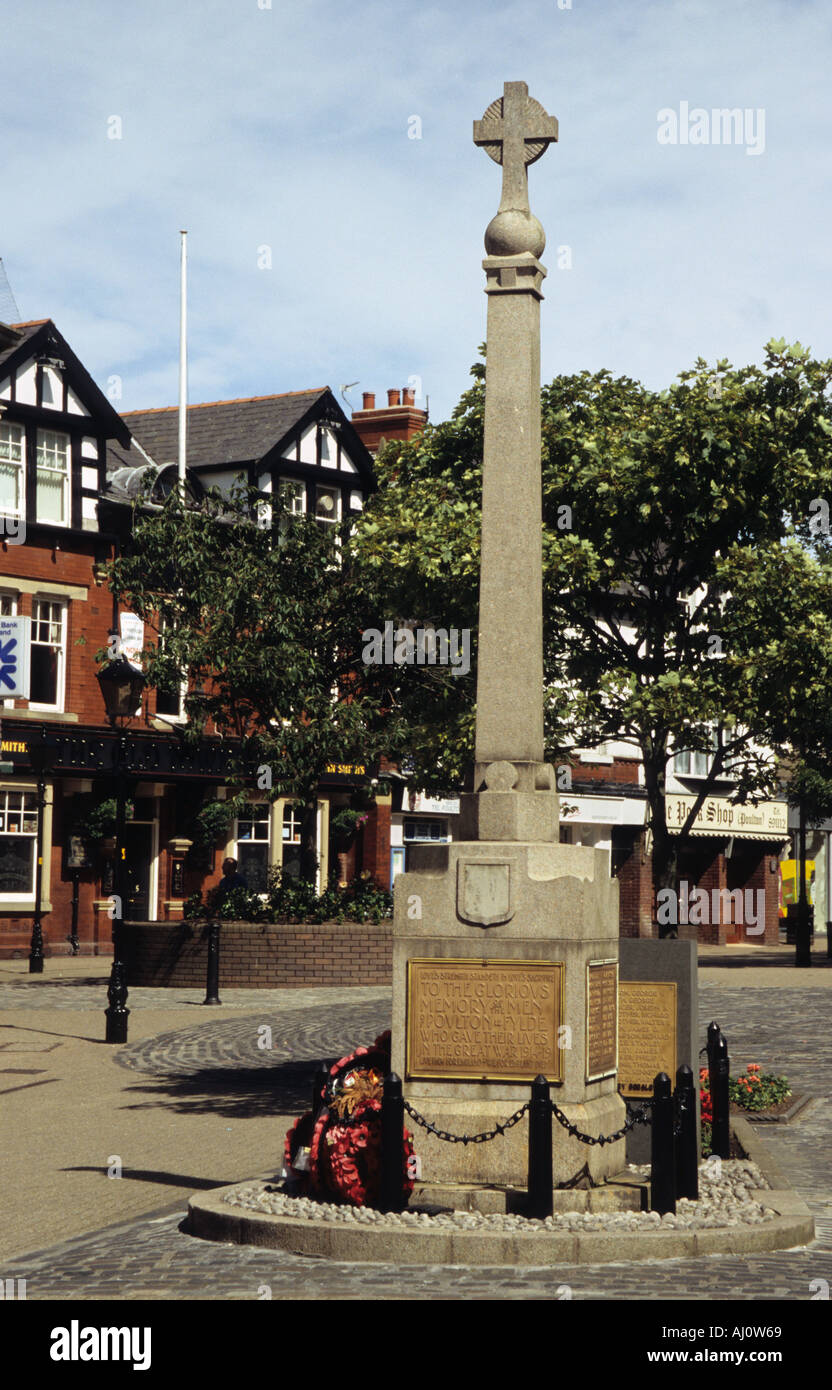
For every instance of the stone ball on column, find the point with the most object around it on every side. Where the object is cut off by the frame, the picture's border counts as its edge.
(512, 232)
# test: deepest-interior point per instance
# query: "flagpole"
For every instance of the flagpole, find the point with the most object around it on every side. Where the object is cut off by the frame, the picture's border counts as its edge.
(183, 359)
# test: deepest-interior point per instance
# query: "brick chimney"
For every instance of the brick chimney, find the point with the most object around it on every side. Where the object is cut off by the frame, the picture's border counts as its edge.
(399, 419)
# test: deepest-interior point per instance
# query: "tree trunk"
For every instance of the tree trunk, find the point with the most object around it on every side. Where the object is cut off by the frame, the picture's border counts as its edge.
(665, 850)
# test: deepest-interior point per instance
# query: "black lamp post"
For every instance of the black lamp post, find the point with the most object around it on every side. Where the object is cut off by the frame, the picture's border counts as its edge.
(803, 942)
(121, 685)
(40, 756)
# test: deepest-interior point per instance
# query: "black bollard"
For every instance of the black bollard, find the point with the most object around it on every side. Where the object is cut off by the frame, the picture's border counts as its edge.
(713, 1035)
(319, 1084)
(662, 1165)
(539, 1202)
(117, 1014)
(720, 1101)
(687, 1148)
(391, 1197)
(213, 981)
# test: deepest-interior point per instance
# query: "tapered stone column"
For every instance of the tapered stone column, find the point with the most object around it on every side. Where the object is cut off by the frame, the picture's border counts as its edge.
(506, 942)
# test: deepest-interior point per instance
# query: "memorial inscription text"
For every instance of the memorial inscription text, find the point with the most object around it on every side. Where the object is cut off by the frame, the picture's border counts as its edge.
(601, 1019)
(647, 1035)
(484, 1020)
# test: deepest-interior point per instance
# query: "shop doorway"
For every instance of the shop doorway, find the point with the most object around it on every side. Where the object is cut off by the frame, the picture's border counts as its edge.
(138, 844)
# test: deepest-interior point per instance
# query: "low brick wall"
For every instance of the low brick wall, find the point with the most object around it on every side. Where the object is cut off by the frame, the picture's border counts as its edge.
(255, 956)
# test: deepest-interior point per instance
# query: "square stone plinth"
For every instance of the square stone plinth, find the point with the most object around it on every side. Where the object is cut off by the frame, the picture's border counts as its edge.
(492, 942)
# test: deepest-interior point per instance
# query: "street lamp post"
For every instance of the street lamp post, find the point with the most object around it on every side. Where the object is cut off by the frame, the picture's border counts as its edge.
(40, 756)
(803, 945)
(121, 685)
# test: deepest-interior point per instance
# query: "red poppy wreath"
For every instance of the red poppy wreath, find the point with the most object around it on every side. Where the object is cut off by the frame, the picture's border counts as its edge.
(335, 1155)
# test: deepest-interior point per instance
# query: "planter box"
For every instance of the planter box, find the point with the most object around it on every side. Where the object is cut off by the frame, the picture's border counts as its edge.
(259, 955)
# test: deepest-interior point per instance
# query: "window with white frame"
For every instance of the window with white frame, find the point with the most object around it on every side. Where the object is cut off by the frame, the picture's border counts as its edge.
(53, 477)
(689, 764)
(252, 845)
(18, 838)
(48, 654)
(292, 496)
(290, 847)
(425, 831)
(327, 505)
(12, 470)
(171, 703)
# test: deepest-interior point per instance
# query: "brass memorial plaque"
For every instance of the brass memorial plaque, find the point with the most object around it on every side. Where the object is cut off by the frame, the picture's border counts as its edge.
(601, 1019)
(647, 1035)
(484, 1020)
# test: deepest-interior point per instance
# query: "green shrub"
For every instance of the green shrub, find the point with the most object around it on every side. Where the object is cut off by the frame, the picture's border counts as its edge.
(290, 899)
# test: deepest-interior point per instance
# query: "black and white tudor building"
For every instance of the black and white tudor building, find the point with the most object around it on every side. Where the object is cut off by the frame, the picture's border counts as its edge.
(299, 445)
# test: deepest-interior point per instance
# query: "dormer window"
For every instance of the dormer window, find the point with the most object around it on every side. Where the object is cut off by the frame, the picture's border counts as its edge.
(11, 470)
(53, 478)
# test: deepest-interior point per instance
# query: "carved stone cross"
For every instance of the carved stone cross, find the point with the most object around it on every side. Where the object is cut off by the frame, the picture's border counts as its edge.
(515, 131)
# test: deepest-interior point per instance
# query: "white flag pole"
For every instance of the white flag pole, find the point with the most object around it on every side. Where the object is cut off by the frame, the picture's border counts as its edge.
(183, 360)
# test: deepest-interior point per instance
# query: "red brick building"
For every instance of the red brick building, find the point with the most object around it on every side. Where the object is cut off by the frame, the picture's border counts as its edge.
(728, 873)
(70, 467)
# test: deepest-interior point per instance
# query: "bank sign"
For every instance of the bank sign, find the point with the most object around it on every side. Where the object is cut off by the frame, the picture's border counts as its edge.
(15, 642)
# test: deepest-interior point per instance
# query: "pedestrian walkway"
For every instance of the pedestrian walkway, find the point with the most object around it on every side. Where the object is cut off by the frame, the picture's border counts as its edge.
(201, 1097)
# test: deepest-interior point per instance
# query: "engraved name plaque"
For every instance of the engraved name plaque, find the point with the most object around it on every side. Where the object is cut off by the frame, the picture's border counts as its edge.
(601, 1019)
(484, 1020)
(647, 1035)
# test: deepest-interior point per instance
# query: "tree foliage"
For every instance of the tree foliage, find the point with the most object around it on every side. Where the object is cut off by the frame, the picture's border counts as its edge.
(263, 619)
(684, 584)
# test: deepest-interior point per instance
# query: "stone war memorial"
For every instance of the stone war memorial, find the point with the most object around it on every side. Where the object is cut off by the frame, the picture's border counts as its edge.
(491, 1120)
(506, 941)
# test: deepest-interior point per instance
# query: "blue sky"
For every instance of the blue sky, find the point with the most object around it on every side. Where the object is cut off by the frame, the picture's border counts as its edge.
(287, 128)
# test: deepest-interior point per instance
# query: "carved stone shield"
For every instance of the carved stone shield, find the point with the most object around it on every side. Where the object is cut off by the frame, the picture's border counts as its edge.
(484, 891)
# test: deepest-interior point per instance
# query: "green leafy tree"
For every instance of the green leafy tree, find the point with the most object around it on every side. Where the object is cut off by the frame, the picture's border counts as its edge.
(649, 500)
(263, 619)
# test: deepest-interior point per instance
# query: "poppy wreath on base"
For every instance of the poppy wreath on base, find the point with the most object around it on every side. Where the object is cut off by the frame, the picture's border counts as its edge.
(335, 1154)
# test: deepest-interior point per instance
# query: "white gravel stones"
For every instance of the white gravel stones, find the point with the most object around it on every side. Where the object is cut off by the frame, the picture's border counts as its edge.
(724, 1200)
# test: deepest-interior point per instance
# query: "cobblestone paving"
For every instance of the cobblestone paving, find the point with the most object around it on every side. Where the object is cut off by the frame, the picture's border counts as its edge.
(787, 1030)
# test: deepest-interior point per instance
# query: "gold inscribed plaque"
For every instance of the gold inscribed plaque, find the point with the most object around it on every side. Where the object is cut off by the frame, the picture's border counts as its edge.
(647, 1035)
(484, 1020)
(601, 1019)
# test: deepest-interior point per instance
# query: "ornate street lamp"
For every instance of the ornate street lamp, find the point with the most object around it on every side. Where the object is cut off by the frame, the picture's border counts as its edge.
(40, 756)
(121, 685)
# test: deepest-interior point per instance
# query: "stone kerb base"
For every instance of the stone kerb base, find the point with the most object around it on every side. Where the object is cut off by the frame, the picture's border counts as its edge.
(212, 1218)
